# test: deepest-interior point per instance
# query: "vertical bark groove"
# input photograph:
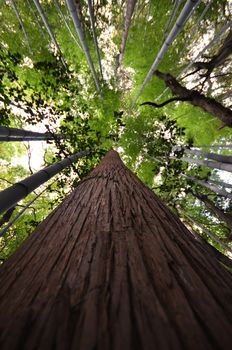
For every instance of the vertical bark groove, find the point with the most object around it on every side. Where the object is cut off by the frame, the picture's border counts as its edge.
(113, 268)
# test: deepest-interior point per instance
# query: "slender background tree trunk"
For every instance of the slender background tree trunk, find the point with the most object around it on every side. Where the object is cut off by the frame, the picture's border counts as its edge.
(129, 12)
(113, 268)
(226, 217)
(197, 99)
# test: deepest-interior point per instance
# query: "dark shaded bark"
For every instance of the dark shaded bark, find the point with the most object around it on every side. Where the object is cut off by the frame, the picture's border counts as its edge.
(6, 217)
(14, 134)
(159, 105)
(197, 99)
(113, 268)
(226, 217)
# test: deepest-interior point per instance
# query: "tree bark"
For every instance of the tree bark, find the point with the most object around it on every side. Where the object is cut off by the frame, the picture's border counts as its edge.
(80, 14)
(197, 99)
(223, 53)
(211, 187)
(204, 162)
(92, 20)
(227, 218)
(50, 31)
(12, 195)
(21, 25)
(6, 217)
(72, 7)
(220, 183)
(215, 156)
(129, 12)
(14, 134)
(112, 268)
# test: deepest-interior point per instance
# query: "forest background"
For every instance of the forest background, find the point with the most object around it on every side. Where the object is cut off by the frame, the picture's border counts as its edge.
(40, 93)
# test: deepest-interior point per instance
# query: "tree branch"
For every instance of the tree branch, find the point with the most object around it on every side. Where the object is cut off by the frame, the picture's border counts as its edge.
(153, 104)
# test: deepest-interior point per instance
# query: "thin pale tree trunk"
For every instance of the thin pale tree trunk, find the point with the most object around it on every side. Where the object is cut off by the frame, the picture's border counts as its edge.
(21, 24)
(200, 54)
(129, 12)
(176, 6)
(210, 234)
(112, 268)
(77, 24)
(215, 156)
(196, 28)
(225, 217)
(66, 23)
(208, 163)
(49, 30)
(92, 20)
(220, 183)
(177, 28)
(214, 146)
(36, 17)
(211, 187)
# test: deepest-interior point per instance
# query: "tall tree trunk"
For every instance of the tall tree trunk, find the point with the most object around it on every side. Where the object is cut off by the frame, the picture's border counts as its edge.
(220, 183)
(215, 156)
(36, 17)
(77, 24)
(12, 195)
(214, 146)
(176, 6)
(66, 23)
(221, 56)
(197, 99)
(14, 134)
(112, 268)
(80, 15)
(208, 163)
(50, 31)
(92, 20)
(183, 17)
(129, 12)
(191, 35)
(21, 24)
(221, 257)
(227, 218)
(215, 189)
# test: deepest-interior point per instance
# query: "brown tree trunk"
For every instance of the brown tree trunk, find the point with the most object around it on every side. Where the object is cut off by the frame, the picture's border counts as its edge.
(223, 53)
(197, 99)
(112, 268)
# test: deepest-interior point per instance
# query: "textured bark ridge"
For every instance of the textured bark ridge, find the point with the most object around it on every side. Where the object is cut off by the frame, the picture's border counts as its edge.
(112, 268)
